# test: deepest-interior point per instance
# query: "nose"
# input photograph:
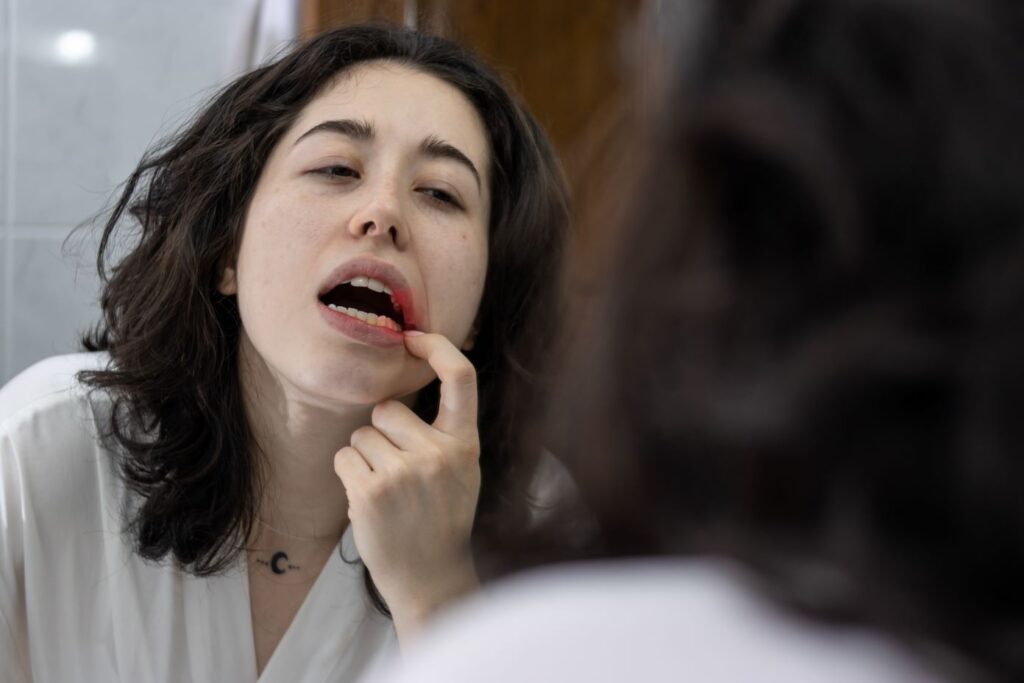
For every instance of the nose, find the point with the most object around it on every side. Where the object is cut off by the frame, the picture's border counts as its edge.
(380, 217)
(370, 228)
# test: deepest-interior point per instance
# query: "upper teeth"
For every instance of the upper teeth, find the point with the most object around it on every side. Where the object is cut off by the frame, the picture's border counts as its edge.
(369, 282)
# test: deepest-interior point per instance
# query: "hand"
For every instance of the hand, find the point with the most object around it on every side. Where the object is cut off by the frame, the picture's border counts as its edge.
(413, 488)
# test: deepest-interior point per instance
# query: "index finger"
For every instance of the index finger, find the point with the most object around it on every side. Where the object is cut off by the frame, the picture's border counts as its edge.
(457, 412)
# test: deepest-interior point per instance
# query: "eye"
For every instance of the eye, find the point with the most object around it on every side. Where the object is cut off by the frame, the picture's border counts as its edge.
(337, 171)
(445, 199)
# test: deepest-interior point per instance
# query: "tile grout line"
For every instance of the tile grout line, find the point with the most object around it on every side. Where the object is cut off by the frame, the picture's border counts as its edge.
(8, 331)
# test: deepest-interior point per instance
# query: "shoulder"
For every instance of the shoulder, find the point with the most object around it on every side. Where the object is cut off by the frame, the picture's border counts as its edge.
(655, 620)
(45, 413)
(58, 482)
(47, 380)
(51, 453)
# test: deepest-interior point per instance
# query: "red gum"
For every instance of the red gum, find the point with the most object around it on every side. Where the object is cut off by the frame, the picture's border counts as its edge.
(402, 298)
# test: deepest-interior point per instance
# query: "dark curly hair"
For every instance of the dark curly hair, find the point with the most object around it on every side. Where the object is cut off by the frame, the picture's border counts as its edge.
(178, 421)
(811, 359)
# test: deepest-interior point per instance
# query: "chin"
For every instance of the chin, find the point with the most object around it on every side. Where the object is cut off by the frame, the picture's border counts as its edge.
(361, 384)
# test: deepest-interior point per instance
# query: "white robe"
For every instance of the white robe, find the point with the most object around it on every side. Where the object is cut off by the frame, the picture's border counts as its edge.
(77, 604)
(655, 621)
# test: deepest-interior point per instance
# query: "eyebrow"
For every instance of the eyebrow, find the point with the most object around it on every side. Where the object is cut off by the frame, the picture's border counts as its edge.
(436, 148)
(355, 129)
(432, 147)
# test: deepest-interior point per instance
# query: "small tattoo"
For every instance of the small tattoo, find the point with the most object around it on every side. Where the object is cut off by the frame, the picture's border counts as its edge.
(278, 563)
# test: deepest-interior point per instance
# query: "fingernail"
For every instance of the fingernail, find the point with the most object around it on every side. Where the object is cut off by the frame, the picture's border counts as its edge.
(412, 333)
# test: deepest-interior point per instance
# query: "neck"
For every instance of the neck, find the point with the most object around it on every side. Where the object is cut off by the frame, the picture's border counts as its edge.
(297, 438)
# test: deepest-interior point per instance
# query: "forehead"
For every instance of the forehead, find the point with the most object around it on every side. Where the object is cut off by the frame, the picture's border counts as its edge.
(402, 104)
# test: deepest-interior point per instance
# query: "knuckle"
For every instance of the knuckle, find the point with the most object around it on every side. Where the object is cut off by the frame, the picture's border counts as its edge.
(433, 462)
(433, 453)
(382, 412)
(340, 459)
(381, 489)
(398, 471)
(360, 436)
(463, 373)
(463, 447)
(435, 467)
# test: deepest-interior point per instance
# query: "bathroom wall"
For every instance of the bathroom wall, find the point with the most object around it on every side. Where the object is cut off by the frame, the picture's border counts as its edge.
(85, 87)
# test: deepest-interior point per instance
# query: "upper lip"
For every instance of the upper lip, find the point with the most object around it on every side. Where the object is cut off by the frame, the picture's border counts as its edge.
(378, 270)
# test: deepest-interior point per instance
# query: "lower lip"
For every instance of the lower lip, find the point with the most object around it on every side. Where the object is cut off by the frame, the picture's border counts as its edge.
(360, 331)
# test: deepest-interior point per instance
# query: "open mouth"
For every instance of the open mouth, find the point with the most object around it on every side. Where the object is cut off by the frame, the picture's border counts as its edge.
(368, 300)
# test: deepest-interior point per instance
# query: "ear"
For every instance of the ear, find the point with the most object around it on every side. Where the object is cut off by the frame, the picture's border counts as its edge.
(228, 285)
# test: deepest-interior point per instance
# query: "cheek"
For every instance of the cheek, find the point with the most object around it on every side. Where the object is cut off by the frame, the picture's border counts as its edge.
(461, 272)
(273, 267)
(278, 242)
(472, 258)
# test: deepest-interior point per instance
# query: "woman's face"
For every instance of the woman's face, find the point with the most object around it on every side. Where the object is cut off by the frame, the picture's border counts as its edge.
(375, 202)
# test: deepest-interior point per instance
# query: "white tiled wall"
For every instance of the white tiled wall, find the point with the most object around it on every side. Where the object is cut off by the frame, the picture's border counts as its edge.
(72, 131)
(55, 290)
(6, 293)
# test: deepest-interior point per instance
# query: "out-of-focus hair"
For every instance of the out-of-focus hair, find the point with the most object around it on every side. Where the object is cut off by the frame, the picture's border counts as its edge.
(809, 357)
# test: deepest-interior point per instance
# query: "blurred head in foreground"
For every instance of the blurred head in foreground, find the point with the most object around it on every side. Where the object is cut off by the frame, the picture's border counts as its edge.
(809, 355)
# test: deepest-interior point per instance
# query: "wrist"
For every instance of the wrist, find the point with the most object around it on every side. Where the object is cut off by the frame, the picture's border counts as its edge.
(418, 604)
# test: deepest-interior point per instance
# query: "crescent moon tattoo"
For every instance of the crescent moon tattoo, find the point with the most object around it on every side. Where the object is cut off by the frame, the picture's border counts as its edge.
(278, 557)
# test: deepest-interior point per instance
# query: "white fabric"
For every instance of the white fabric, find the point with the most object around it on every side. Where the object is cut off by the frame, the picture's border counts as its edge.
(76, 604)
(47, 377)
(651, 621)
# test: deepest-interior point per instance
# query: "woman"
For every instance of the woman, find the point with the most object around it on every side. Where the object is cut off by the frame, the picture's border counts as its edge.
(800, 398)
(340, 268)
